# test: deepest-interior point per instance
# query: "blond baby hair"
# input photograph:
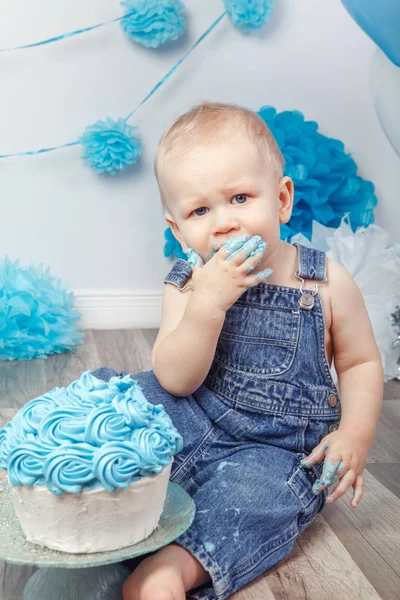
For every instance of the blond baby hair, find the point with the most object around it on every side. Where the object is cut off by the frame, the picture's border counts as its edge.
(209, 122)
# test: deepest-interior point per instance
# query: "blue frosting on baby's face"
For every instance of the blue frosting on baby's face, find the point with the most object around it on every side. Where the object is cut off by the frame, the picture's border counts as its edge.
(89, 435)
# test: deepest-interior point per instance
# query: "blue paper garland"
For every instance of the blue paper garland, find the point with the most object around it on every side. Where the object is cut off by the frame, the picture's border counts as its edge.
(324, 175)
(144, 20)
(153, 22)
(150, 22)
(249, 16)
(98, 160)
(110, 145)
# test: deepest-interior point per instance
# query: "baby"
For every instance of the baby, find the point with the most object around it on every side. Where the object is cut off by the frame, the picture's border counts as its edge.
(242, 362)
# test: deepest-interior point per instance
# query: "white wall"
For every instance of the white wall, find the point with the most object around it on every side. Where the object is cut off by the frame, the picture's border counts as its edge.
(105, 234)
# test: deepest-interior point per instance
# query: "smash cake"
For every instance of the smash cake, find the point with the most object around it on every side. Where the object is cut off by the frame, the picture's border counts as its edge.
(89, 465)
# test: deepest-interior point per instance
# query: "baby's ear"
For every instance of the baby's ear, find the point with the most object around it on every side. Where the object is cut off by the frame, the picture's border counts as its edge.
(286, 195)
(175, 230)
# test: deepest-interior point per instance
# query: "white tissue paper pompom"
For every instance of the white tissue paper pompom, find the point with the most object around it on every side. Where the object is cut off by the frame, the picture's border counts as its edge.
(374, 263)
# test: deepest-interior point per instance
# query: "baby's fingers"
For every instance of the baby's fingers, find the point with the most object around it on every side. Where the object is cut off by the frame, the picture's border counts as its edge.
(235, 244)
(316, 455)
(346, 481)
(329, 474)
(245, 249)
(260, 277)
(358, 488)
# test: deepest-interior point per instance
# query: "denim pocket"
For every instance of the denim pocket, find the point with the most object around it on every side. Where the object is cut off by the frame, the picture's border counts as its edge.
(257, 340)
(300, 482)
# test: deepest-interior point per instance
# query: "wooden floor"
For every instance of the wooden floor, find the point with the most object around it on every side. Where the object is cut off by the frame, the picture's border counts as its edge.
(346, 554)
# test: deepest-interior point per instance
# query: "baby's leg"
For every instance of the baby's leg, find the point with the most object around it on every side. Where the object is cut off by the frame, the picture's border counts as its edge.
(168, 574)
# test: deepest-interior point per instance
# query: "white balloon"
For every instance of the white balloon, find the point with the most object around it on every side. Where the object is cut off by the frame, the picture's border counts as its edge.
(385, 87)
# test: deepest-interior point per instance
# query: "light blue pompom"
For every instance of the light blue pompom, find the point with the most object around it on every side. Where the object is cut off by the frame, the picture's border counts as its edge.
(324, 176)
(153, 22)
(172, 247)
(36, 314)
(249, 16)
(110, 145)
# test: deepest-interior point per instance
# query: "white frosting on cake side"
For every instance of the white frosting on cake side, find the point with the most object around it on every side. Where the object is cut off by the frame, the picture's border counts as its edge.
(93, 520)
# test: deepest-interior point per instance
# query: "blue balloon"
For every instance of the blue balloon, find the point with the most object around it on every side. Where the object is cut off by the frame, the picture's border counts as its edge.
(380, 19)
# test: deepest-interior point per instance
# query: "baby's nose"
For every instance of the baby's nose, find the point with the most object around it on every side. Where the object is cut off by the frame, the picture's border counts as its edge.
(224, 224)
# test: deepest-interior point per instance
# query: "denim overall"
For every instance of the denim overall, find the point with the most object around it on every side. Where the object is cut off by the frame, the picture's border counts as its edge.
(268, 399)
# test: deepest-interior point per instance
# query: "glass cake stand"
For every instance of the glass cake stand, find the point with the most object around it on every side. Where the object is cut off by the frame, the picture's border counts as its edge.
(177, 516)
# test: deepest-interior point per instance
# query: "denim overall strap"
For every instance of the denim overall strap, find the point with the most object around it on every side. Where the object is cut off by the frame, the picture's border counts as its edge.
(312, 263)
(179, 274)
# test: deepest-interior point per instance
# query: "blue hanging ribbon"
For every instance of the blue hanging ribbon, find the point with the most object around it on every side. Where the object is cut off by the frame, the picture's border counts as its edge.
(64, 36)
(155, 88)
(176, 65)
(40, 151)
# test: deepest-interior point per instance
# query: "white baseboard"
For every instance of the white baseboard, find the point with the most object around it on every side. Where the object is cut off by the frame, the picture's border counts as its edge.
(119, 310)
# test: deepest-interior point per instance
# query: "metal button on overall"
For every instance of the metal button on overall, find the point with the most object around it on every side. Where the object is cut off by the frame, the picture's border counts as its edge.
(332, 400)
(333, 427)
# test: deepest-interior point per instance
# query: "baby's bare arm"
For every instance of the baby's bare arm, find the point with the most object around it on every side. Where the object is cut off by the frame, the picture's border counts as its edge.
(356, 355)
(185, 346)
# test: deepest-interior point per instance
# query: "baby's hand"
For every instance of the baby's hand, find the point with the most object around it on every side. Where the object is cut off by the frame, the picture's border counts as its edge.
(345, 458)
(228, 273)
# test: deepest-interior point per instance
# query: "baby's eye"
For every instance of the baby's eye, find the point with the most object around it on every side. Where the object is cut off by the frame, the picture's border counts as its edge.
(201, 213)
(241, 198)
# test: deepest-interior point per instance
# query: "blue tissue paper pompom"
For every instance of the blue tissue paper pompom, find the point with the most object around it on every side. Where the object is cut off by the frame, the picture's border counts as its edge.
(249, 16)
(36, 314)
(324, 176)
(110, 145)
(153, 22)
(172, 247)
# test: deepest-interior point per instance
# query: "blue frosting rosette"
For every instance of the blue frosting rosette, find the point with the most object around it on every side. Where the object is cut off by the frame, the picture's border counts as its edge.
(91, 434)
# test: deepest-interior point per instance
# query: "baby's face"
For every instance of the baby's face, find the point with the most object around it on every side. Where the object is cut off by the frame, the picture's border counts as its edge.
(222, 191)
